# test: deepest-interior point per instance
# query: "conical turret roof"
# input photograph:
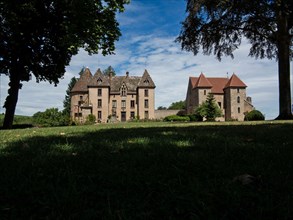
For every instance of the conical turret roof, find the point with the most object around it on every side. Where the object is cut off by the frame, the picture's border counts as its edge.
(83, 81)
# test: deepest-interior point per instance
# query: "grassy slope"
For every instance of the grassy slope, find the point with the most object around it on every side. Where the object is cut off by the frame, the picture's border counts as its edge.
(18, 121)
(147, 171)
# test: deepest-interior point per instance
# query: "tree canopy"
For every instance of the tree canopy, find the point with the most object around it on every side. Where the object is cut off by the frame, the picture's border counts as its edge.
(217, 27)
(109, 71)
(40, 37)
(177, 105)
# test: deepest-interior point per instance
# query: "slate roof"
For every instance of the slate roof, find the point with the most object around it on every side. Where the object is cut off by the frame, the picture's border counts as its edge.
(82, 84)
(99, 79)
(217, 84)
(114, 82)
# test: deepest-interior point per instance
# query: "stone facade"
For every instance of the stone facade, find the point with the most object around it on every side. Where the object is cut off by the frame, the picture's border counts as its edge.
(230, 95)
(113, 98)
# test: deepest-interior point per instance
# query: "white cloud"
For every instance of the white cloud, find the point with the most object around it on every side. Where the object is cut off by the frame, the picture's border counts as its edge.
(170, 68)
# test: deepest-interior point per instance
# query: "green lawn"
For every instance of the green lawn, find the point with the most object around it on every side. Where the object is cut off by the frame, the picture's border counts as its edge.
(148, 171)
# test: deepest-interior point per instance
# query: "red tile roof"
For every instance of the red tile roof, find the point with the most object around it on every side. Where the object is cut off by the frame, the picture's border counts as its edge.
(217, 84)
(202, 81)
(235, 82)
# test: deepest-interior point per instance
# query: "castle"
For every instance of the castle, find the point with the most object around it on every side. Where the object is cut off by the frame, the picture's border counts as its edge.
(230, 95)
(114, 98)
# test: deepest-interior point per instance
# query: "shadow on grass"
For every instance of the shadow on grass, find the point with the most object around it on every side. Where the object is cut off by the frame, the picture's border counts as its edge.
(150, 173)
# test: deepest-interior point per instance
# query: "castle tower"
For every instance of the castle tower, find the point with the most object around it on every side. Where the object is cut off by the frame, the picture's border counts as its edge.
(234, 99)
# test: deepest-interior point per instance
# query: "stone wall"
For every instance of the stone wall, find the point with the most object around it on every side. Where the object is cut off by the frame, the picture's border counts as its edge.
(161, 114)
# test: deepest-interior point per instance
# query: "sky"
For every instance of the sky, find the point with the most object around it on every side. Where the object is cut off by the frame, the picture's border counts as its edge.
(149, 29)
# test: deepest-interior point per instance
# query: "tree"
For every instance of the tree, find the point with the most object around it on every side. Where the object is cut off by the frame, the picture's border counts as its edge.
(67, 99)
(109, 71)
(40, 37)
(209, 109)
(217, 26)
(177, 105)
(50, 117)
(162, 108)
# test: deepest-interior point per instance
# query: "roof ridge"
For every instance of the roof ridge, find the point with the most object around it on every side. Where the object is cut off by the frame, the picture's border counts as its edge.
(202, 81)
(235, 81)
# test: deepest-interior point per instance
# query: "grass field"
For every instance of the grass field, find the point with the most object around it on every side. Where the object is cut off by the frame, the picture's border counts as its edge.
(19, 121)
(148, 171)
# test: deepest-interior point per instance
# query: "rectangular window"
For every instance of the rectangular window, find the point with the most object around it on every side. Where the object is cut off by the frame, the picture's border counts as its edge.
(99, 103)
(99, 115)
(238, 109)
(204, 92)
(146, 103)
(220, 104)
(80, 98)
(146, 114)
(146, 92)
(123, 104)
(132, 115)
(114, 104)
(132, 104)
(238, 99)
(78, 114)
(238, 90)
(99, 92)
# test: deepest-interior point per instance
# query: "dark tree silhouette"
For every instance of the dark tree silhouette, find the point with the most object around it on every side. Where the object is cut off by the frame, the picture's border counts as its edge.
(67, 99)
(109, 71)
(40, 37)
(218, 26)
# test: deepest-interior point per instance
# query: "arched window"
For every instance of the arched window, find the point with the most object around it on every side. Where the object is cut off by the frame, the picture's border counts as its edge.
(238, 99)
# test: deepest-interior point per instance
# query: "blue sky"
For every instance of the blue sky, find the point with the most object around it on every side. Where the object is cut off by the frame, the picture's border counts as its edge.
(149, 29)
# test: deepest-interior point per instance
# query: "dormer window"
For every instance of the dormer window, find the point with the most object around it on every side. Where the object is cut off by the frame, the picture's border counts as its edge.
(99, 81)
(123, 90)
(146, 82)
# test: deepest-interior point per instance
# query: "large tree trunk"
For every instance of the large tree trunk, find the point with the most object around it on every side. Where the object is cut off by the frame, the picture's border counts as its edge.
(284, 68)
(11, 100)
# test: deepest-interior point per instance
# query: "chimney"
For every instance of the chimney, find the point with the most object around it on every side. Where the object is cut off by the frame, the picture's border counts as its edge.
(127, 74)
(110, 74)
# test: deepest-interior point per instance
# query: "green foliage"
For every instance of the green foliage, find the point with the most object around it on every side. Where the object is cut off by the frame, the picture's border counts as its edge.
(217, 27)
(67, 100)
(209, 109)
(176, 118)
(177, 105)
(90, 119)
(109, 71)
(254, 115)
(161, 108)
(195, 117)
(50, 117)
(40, 37)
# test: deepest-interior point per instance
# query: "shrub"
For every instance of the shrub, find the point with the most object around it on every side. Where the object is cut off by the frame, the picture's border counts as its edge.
(195, 117)
(254, 115)
(50, 117)
(176, 118)
(90, 119)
